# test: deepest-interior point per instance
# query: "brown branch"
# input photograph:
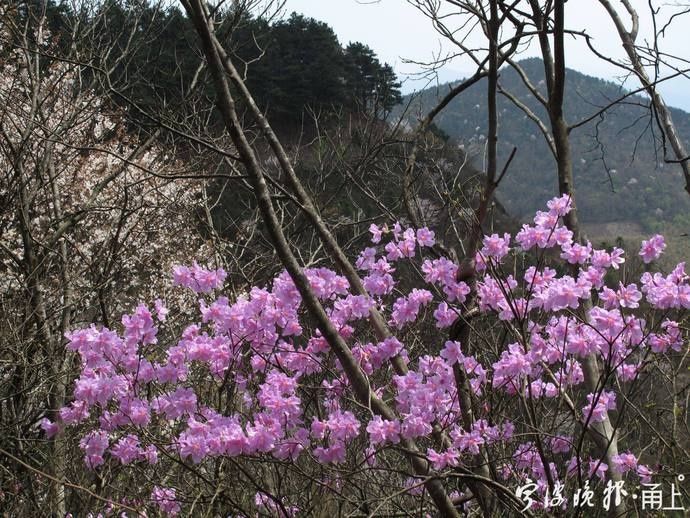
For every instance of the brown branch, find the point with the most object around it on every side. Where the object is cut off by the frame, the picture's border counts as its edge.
(196, 10)
(69, 484)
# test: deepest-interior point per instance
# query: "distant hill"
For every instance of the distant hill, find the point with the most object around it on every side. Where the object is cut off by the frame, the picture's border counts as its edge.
(620, 177)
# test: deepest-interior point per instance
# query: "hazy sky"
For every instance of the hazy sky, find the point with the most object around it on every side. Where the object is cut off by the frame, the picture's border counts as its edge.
(397, 31)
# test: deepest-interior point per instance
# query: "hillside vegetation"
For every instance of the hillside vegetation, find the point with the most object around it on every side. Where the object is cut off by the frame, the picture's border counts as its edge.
(618, 157)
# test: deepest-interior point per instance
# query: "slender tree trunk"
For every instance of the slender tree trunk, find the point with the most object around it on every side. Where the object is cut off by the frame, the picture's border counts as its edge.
(360, 384)
(604, 436)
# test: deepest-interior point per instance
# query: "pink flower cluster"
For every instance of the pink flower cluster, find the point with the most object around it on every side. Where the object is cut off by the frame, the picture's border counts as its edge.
(137, 396)
(339, 429)
(198, 279)
(667, 292)
(598, 406)
(546, 231)
(406, 309)
(382, 431)
(165, 500)
(372, 357)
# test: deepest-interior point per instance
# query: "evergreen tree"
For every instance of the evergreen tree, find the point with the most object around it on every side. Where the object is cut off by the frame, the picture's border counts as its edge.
(371, 86)
(302, 67)
(362, 72)
(387, 89)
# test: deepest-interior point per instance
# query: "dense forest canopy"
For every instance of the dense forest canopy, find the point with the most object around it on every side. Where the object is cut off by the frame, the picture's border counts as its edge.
(316, 73)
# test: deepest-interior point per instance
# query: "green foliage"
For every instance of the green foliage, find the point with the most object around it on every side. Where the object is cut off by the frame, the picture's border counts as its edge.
(299, 64)
(370, 86)
(291, 65)
(302, 66)
(161, 53)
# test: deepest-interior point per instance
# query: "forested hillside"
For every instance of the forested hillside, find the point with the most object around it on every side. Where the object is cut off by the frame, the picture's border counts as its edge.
(618, 158)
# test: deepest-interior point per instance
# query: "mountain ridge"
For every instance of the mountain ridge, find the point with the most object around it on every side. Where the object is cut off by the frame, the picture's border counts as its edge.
(620, 175)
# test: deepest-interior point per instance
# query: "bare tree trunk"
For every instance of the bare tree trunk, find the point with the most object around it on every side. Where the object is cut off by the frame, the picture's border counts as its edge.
(360, 384)
(60, 363)
(604, 436)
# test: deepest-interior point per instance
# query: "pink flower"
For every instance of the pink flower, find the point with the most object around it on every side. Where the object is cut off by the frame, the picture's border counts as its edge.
(76, 412)
(406, 309)
(440, 270)
(464, 441)
(479, 262)
(562, 236)
(644, 473)
(378, 284)
(562, 293)
(415, 486)
(127, 449)
(270, 505)
(415, 426)
(529, 236)
(197, 278)
(652, 248)
(624, 462)
(251, 346)
(94, 445)
(606, 401)
(604, 259)
(394, 252)
(672, 291)
(629, 296)
(496, 247)
(407, 247)
(627, 372)
(425, 237)
(609, 298)
(576, 253)
(262, 437)
(365, 261)
(445, 316)
(382, 431)
(546, 220)
(150, 454)
(592, 277)
(385, 350)
(193, 443)
(598, 469)
(139, 327)
(397, 231)
(343, 426)
(560, 444)
(560, 206)
(352, 307)
(334, 454)
(161, 310)
(376, 233)
(439, 461)
(50, 428)
(165, 499)
(318, 429)
(452, 352)
(136, 410)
